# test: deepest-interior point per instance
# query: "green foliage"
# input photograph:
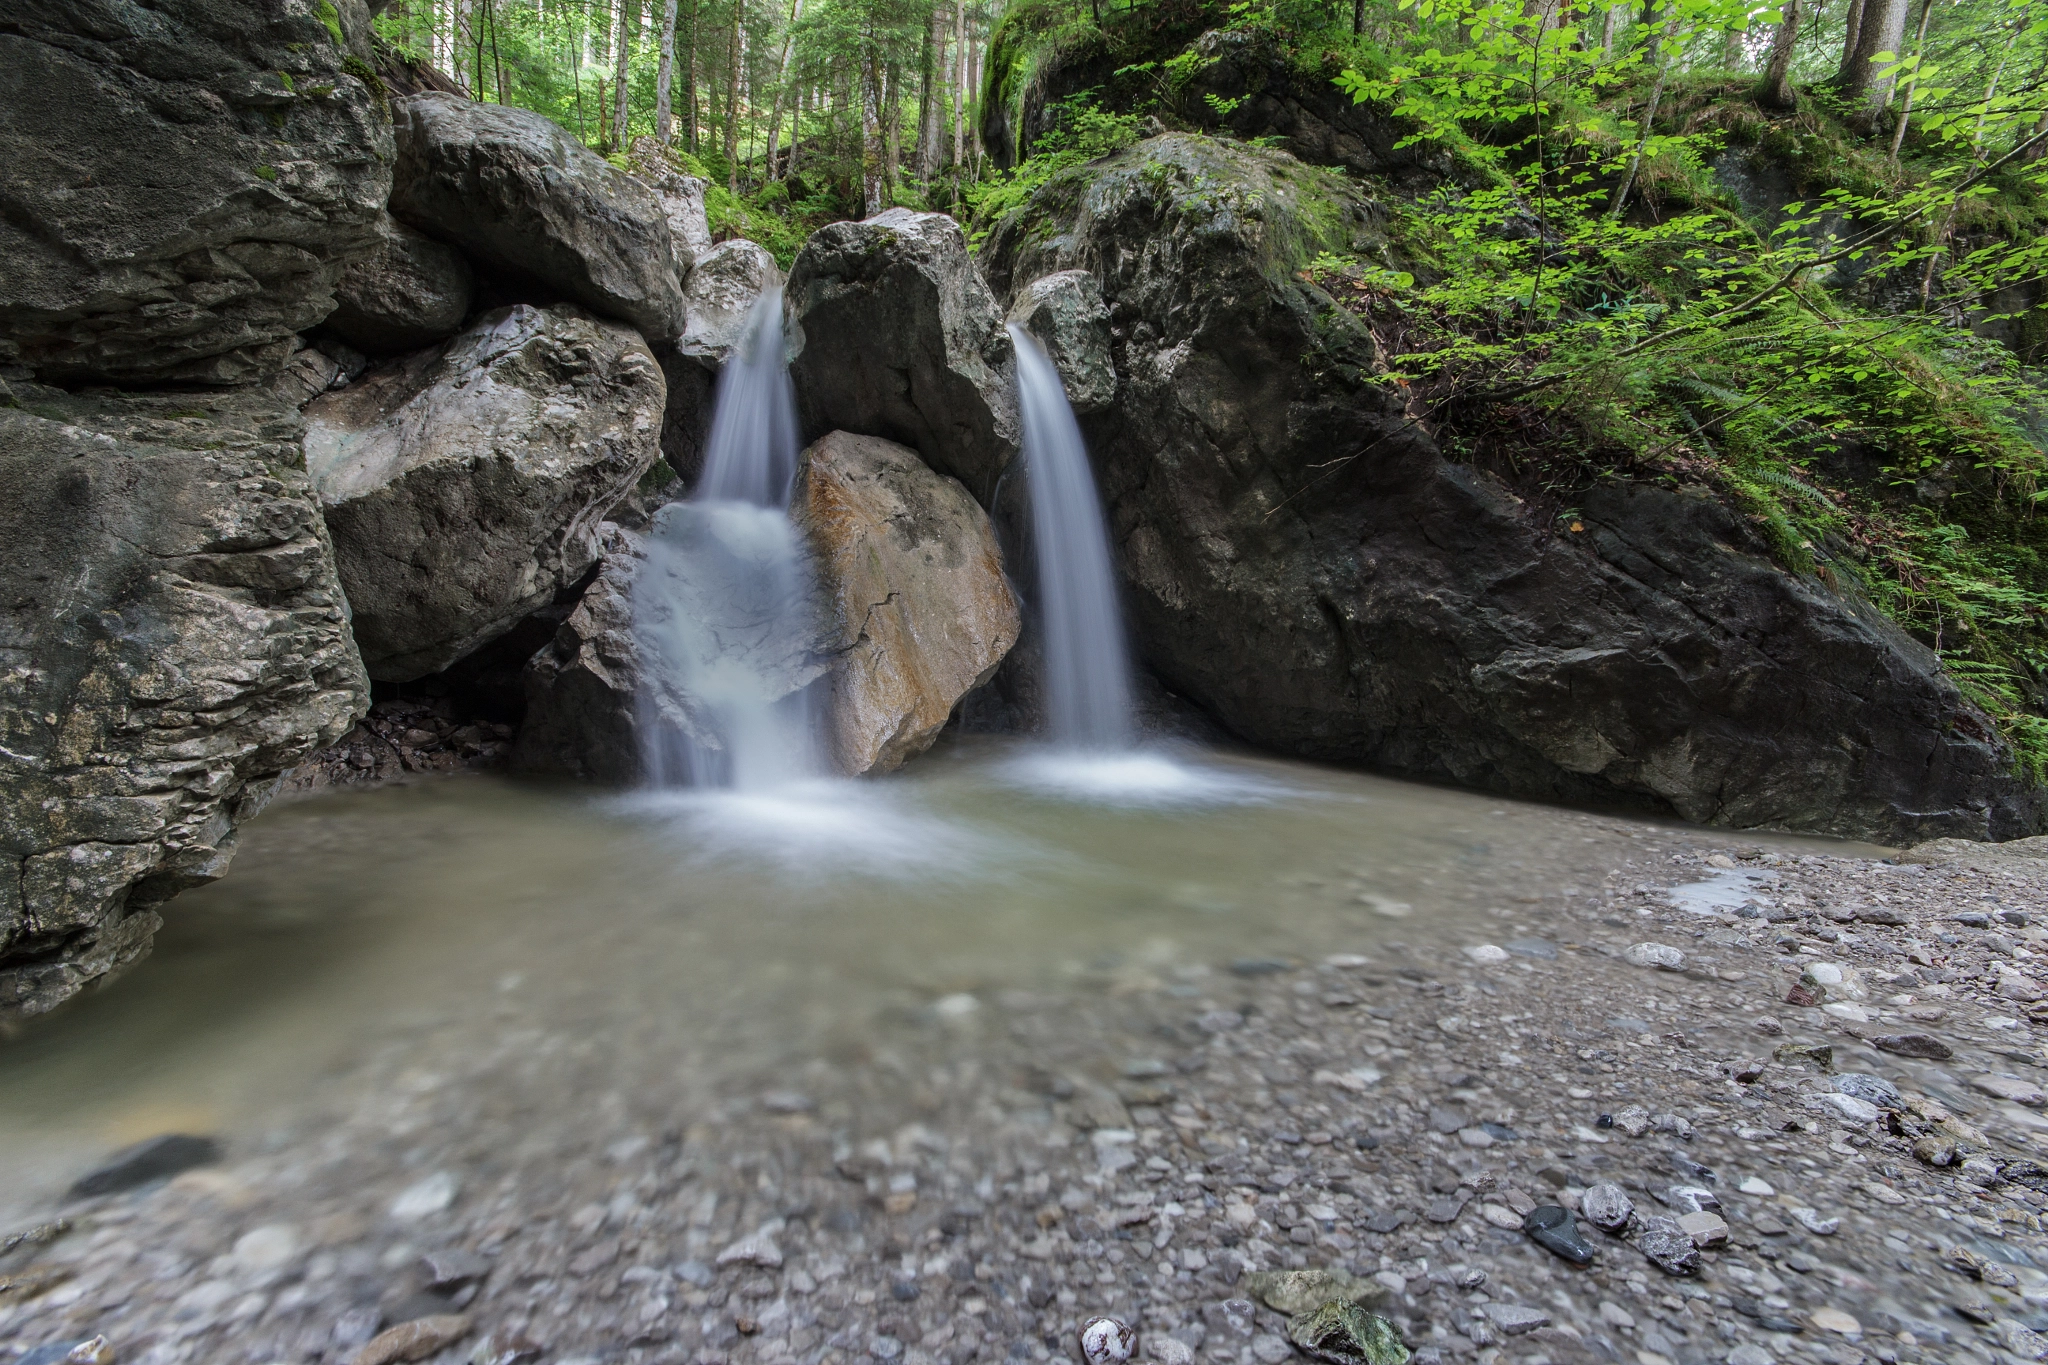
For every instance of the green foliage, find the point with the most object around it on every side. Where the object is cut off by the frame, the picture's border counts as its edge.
(1082, 131)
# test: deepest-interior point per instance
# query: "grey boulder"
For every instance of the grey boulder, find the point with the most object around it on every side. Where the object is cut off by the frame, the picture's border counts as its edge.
(1065, 312)
(173, 638)
(682, 201)
(184, 182)
(464, 485)
(525, 200)
(717, 302)
(406, 292)
(918, 611)
(1304, 561)
(583, 686)
(901, 339)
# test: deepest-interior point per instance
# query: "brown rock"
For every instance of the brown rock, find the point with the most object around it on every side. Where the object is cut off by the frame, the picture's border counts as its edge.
(919, 611)
(1913, 1045)
(415, 1340)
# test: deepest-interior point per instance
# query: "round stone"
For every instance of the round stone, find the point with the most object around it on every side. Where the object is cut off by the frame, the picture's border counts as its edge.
(1105, 1341)
(1835, 1320)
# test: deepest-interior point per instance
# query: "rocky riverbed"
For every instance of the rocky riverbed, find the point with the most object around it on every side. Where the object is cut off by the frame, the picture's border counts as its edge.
(1803, 1088)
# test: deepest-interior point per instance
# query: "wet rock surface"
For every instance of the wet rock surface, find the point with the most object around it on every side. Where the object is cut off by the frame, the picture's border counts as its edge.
(1272, 502)
(184, 184)
(1064, 310)
(902, 340)
(173, 639)
(919, 611)
(717, 301)
(1009, 1172)
(582, 687)
(464, 485)
(406, 292)
(524, 200)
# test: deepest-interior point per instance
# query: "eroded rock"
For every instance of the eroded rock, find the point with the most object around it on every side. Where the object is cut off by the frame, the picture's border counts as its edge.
(173, 637)
(408, 291)
(1064, 310)
(901, 339)
(184, 184)
(464, 484)
(524, 199)
(728, 281)
(919, 611)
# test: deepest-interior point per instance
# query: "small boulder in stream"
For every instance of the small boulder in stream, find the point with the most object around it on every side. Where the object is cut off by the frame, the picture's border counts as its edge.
(526, 201)
(901, 339)
(918, 611)
(464, 484)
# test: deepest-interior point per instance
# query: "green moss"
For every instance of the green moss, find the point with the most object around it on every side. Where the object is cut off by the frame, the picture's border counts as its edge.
(331, 17)
(266, 173)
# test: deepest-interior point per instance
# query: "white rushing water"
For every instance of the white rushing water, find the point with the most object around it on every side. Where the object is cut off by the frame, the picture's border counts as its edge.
(1087, 668)
(722, 607)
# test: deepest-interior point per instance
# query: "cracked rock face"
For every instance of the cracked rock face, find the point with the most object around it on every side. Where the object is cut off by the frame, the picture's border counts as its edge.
(582, 720)
(919, 611)
(184, 182)
(464, 484)
(524, 199)
(173, 637)
(901, 339)
(407, 292)
(1301, 559)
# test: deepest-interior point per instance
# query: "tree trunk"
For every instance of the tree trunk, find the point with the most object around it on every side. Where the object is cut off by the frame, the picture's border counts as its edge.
(796, 10)
(892, 130)
(620, 72)
(460, 44)
(1774, 91)
(1882, 29)
(665, 75)
(690, 83)
(872, 197)
(732, 105)
(959, 81)
(931, 107)
(974, 97)
(1660, 48)
(1906, 100)
(1852, 26)
(1357, 17)
(1610, 27)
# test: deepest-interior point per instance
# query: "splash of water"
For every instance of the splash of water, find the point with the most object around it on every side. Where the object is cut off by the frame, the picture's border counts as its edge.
(722, 607)
(1087, 669)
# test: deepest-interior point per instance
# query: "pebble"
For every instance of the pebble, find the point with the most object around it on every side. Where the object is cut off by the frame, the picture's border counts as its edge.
(1606, 1206)
(2010, 1088)
(1634, 1120)
(425, 1198)
(146, 1161)
(1166, 1350)
(1811, 1220)
(1513, 1319)
(91, 1351)
(1757, 1186)
(755, 1249)
(1922, 1045)
(505, 1347)
(1848, 1106)
(449, 1270)
(1551, 1227)
(264, 1249)
(1667, 1246)
(1835, 1320)
(1749, 1353)
(1705, 1229)
(1487, 954)
(1541, 949)
(1268, 1349)
(1868, 1088)
(1105, 1341)
(415, 1340)
(1662, 956)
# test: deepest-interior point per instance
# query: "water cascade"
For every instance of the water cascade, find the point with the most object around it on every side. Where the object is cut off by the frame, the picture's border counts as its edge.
(722, 607)
(1087, 668)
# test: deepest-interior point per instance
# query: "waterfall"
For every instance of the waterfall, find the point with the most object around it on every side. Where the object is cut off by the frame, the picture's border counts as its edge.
(723, 605)
(1087, 671)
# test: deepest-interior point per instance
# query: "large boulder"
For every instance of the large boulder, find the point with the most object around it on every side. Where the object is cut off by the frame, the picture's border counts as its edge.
(717, 301)
(173, 638)
(528, 202)
(918, 612)
(1302, 560)
(901, 339)
(1065, 312)
(184, 182)
(682, 201)
(583, 687)
(406, 292)
(464, 484)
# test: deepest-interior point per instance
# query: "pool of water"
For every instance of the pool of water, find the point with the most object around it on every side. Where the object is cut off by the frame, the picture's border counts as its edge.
(716, 944)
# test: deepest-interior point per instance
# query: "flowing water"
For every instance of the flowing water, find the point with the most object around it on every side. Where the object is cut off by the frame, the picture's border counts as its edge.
(1087, 665)
(722, 607)
(462, 942)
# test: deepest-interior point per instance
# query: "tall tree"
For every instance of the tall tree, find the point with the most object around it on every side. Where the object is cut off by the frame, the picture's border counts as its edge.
(959, 81)
(732, 102)
(1775, 89)
(796, 10)
(1906, 100)
(664, 77)
(1881, 28)
(621, 76)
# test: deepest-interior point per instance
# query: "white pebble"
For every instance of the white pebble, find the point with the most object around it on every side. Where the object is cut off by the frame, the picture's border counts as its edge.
(1660, 955)
(1487, 954)
(1105, 1341)
(425, 1198)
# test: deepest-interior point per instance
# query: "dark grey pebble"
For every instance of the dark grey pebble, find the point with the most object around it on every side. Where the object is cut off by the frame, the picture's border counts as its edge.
(1551, 1227)
(147, 1161)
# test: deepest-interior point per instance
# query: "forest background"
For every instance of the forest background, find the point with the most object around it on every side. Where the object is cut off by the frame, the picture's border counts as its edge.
(1574, 287)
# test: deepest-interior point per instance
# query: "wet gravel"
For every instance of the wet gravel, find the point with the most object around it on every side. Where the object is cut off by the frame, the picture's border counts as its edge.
(1809, 1110)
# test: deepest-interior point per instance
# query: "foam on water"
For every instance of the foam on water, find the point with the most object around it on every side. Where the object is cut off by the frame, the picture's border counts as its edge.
(1147, 777)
